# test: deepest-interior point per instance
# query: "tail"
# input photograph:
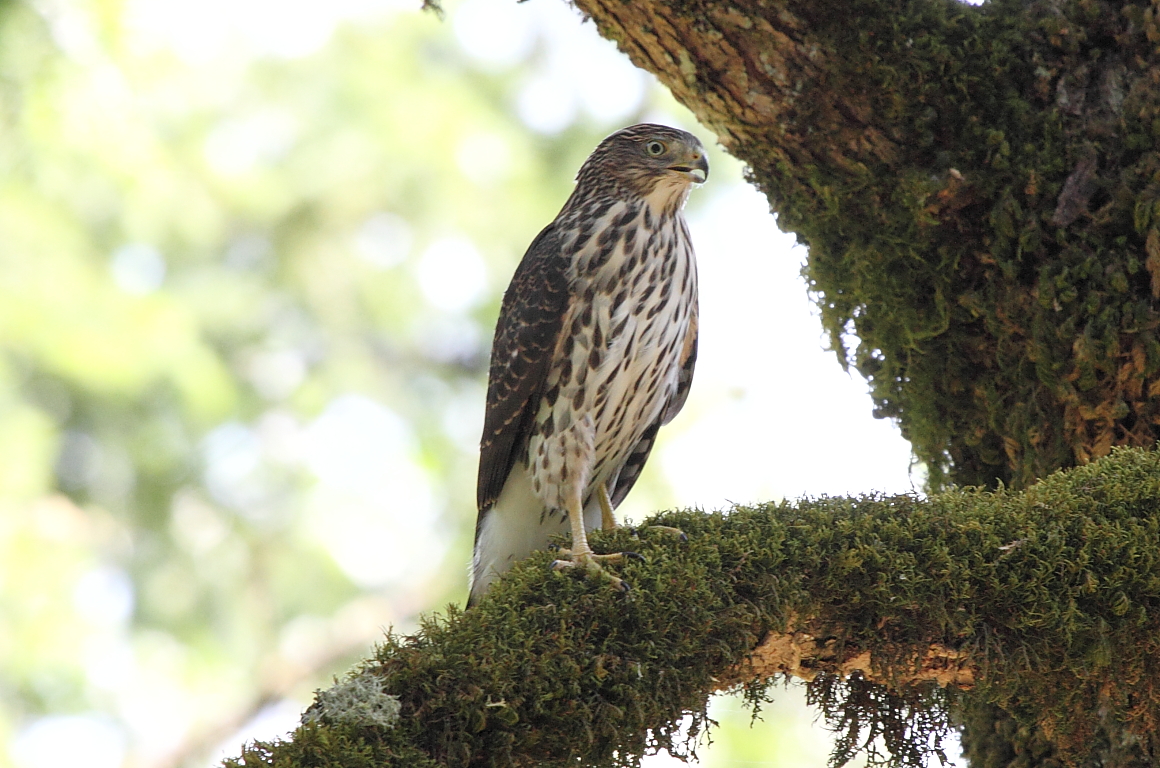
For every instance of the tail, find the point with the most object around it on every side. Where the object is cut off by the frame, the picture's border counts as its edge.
(507, 531)
(514, 527)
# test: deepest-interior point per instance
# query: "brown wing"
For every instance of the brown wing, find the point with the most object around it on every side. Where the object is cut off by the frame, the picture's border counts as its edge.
(525, 339)
(635, 462)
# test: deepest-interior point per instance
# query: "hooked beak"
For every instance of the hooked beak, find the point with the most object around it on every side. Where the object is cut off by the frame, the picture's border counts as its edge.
(695, 168)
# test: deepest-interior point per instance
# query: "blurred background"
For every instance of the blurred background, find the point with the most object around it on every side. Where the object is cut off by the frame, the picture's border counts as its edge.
(251, 257)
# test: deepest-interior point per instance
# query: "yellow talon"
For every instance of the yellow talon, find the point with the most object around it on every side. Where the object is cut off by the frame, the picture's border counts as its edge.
(591, 564)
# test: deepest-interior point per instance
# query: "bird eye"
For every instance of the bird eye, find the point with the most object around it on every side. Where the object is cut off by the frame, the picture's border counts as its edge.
(655, 148)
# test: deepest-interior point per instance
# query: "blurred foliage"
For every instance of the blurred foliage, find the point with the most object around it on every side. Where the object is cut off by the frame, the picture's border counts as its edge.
(246, 298)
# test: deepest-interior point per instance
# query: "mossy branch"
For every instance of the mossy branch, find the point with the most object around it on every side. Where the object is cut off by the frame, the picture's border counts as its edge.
(1047, 601)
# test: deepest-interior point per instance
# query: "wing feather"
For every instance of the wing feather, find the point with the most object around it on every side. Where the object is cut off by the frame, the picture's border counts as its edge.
(525, 340)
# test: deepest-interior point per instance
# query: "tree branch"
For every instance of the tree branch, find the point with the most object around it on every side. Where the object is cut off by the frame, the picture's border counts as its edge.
(802, 655)
(764, 80)
(1046, 599)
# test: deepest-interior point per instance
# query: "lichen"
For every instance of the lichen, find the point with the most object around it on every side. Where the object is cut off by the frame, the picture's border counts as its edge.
(359, 700)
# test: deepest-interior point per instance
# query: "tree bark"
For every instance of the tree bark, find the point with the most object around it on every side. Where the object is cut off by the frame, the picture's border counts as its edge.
(979, 188)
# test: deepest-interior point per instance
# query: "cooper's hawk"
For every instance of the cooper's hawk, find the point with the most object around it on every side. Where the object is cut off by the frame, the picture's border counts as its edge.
(593, 352)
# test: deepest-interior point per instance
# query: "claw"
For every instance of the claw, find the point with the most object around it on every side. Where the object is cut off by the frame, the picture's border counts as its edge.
(591, 564)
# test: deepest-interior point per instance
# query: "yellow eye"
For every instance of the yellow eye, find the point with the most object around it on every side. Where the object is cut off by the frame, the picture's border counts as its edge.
(655, 148)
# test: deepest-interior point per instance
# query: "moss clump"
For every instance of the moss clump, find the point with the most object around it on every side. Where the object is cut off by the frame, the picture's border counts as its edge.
(1001, 267)
(1053, 594)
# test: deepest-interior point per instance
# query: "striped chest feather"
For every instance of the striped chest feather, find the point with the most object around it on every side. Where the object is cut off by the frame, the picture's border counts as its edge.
(617, 364)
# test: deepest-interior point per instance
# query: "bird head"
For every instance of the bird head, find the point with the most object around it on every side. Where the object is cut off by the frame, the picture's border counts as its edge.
(652, 161)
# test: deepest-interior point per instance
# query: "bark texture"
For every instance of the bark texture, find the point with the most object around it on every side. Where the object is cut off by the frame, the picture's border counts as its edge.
(979, 188)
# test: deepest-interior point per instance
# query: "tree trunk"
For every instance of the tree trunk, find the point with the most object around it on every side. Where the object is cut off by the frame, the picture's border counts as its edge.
(979, 188)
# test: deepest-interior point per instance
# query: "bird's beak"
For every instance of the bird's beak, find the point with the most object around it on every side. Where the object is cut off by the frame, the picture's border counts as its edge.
(694, 166)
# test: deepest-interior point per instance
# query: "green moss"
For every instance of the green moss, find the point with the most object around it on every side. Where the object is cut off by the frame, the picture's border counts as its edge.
(1053, 592)
(1004, 320)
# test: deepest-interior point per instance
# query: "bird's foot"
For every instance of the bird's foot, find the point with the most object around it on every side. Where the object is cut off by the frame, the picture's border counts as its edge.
(668, 530)
(611, 557)
(592, 564)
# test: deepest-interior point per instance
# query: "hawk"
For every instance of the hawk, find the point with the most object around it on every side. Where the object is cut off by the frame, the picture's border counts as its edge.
(593, 353)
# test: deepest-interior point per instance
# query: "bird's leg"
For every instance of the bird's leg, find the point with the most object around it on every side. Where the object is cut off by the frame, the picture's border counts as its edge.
(571, 493)
(607, 521)
(582, 555)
